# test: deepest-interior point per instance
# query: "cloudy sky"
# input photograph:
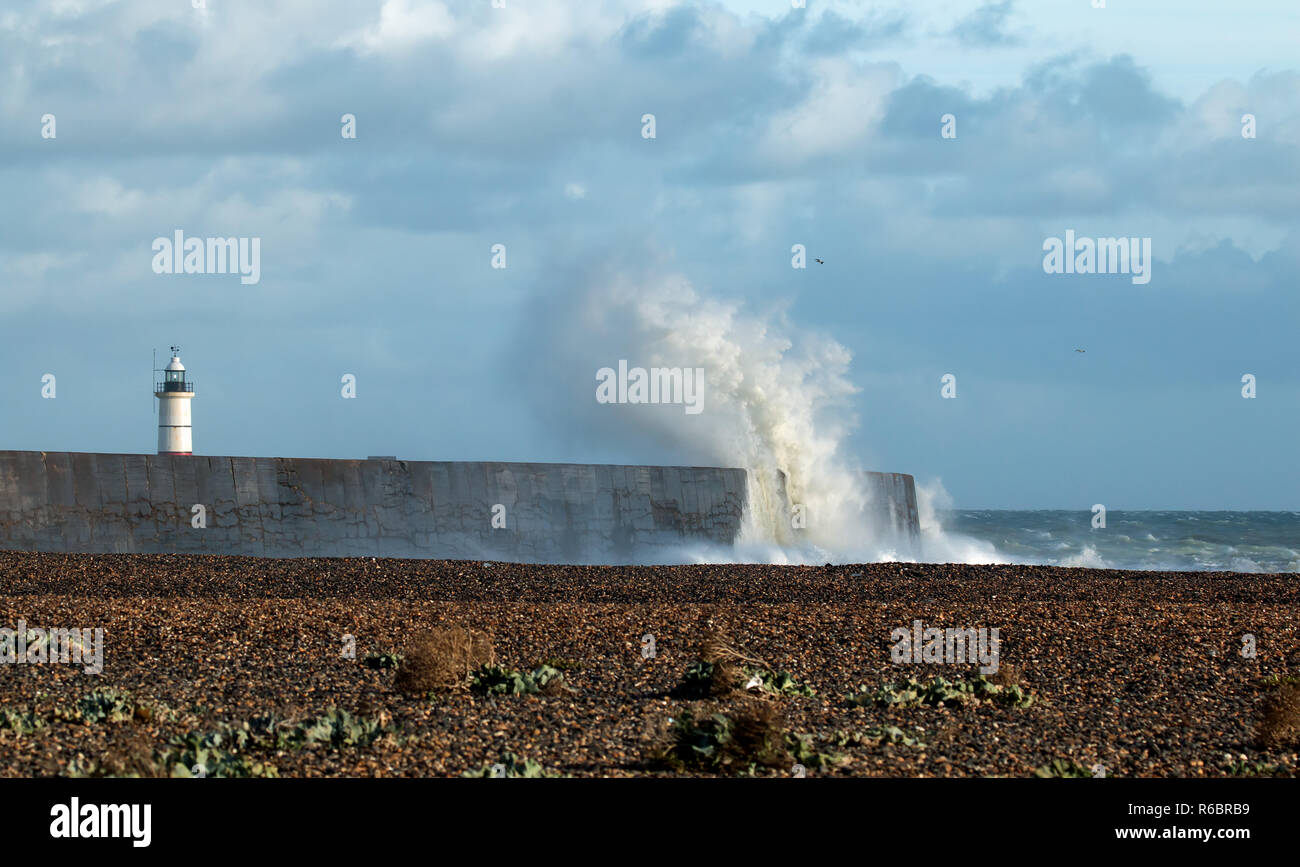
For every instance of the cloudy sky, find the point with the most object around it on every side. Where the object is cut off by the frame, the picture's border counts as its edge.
(522, 126)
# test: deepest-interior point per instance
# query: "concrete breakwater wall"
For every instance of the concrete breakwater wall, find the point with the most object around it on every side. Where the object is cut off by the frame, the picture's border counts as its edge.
(304, 507)
(297, 507)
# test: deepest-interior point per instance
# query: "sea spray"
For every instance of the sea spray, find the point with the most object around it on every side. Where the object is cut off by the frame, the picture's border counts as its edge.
(780, 403)
(940, 545)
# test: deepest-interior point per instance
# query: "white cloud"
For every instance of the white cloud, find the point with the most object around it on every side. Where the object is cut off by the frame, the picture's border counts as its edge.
(403, 24)
(106, 196)
(840, 112)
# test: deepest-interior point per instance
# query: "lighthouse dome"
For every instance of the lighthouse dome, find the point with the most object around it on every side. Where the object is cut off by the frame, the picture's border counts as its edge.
(175, 363)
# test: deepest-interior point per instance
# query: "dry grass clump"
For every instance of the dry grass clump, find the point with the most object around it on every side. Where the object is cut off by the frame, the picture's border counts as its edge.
(1008, 674)
(724, 676)
(727, 672)
(443, 660)
(1279, 725)
(741, 742)
(718, 649)
(758, 735)
(722, 670)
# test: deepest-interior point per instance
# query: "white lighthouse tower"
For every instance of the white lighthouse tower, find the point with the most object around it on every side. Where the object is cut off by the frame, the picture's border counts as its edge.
(174, 394)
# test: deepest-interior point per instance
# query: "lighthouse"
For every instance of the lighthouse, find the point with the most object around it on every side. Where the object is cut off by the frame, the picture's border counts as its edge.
(174, 394)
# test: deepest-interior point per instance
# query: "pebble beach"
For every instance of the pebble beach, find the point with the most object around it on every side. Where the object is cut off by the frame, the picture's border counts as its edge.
(1146, 674)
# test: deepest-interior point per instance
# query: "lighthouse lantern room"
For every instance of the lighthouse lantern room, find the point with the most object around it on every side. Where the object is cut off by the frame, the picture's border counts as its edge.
(174, 393)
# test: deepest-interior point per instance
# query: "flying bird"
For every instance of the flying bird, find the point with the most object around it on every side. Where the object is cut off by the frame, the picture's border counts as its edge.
(819, 261)
(1080, 350)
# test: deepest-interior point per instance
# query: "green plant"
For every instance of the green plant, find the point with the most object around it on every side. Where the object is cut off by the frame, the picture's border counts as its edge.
(221, 753)
(725, 744)
(704, 679)
(20, 722)
(230, 749)
(1064, 768)
(777, 683)
(335, 728)
(875, 737)
(497, 680)
(383, 661)
(803, 750)
(1273, 681)
(511, 767)
(106, 704)
(1241, 767)
(698, 681)
(941, 692)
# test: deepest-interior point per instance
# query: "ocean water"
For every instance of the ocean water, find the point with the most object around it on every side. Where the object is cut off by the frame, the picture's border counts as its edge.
(1183, 541)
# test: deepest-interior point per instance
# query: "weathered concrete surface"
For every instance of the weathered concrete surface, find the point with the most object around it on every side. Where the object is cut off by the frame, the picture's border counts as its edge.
(893, 498)
(297, 507)
(293, 507)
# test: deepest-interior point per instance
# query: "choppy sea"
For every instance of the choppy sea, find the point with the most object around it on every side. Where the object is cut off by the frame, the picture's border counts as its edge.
(1182, 541)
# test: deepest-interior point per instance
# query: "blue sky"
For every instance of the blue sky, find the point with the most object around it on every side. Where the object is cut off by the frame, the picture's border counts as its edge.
(774, 127)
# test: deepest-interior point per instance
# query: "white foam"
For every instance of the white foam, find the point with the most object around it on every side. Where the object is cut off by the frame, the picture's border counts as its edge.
(779, 401)
(1088, 558)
